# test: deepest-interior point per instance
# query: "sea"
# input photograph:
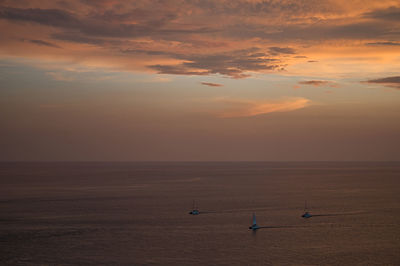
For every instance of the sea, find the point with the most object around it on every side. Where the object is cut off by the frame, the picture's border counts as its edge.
(137, 213)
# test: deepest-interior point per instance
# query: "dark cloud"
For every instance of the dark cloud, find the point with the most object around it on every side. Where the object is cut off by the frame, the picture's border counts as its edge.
(233, 64)
(317, 31)
(391, 13)
(78, 38)
(384, 43)
(117, 24)
(388, 81)
(362, 30)
(153, 52)
(44, 43)
(50, 17)
(94, 3)
(272, 9)
(98, 24)
(177, 70)
(211, 84)
(280, 50)
(312, 61)
(316, 83)
(159, 20)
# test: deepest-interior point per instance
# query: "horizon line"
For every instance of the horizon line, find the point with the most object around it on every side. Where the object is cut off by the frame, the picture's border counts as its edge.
(196, 161)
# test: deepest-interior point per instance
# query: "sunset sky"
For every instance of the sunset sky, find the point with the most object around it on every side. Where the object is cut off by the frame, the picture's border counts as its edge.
(184, 80)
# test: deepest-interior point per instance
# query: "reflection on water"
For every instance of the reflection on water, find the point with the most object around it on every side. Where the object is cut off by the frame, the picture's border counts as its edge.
(137, 213)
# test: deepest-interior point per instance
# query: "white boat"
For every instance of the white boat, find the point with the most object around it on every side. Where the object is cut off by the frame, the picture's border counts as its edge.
(306, 213)
(195, 210)
(254, 226)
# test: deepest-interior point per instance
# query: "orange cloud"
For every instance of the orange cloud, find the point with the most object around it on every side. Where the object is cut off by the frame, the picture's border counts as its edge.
(231, 38)
(240, 108)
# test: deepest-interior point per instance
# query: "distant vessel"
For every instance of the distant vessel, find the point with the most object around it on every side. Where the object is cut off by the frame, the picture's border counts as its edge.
(306, 213)
(254, 226)
(195, 210)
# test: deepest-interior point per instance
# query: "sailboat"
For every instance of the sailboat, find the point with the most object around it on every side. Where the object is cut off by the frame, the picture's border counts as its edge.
(195, 210)
(254, 226)
(306, 213)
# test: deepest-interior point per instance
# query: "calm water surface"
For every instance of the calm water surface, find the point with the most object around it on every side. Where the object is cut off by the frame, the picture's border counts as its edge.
(137, 213)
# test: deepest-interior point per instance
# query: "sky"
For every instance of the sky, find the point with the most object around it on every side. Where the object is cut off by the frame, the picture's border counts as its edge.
(199, 80)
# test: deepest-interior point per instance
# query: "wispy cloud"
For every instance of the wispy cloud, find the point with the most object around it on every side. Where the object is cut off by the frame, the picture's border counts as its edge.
(318, 83)
(281, 50)
(391, 14)
(240, 108)
(44, 43)
(393, 82)
(383, 43)
(211, 84)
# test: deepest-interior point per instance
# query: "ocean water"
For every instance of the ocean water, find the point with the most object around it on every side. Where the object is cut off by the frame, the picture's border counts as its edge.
(137, 213)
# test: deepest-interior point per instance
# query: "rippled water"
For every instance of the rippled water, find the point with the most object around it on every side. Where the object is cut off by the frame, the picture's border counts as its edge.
(137, 213)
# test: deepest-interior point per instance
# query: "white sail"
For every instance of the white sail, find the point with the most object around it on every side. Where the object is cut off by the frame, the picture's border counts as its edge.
(254, 219)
